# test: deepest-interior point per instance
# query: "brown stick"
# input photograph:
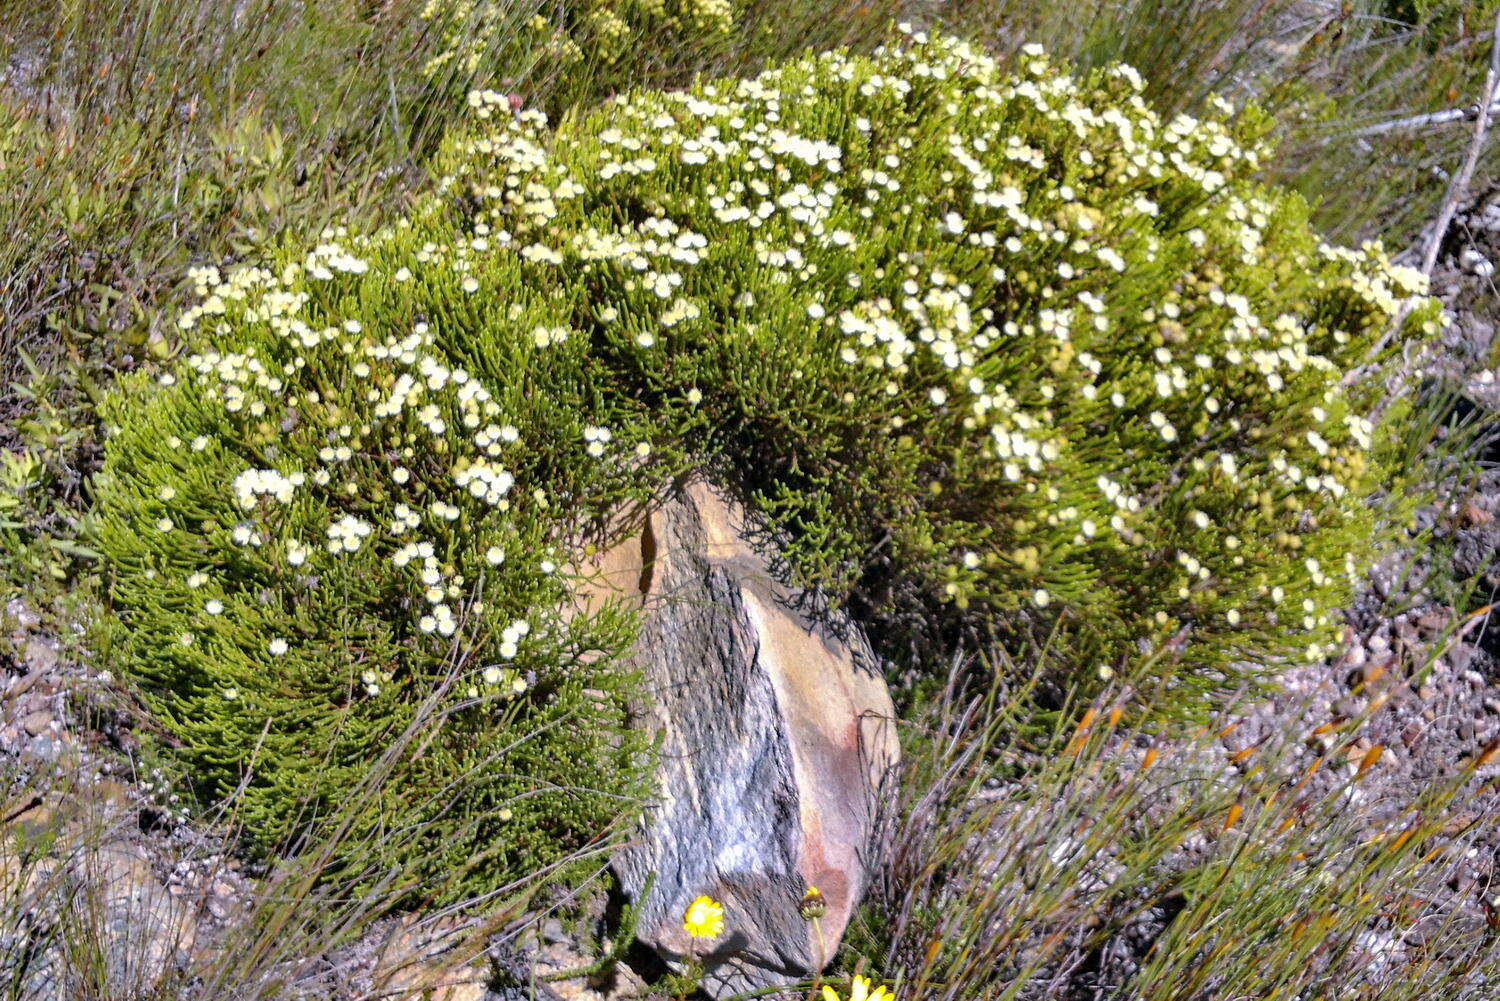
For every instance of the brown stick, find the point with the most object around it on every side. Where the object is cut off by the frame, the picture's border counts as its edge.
(1456, 192)
(1460, 185)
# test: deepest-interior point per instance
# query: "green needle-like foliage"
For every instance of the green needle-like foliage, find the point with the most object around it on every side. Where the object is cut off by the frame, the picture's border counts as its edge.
(1006, 352)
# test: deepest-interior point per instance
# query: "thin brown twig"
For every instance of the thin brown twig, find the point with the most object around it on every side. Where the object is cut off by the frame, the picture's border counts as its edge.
(1422, 121)
(1460, 185)
(1457, 189)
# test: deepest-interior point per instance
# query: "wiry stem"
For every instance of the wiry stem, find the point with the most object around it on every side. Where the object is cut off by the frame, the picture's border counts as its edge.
(1470, 113)
(1456, 191)
(1460, 184)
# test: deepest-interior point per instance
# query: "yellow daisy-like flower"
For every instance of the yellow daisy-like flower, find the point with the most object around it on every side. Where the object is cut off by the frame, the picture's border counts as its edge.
(704, 918)
(859, 990)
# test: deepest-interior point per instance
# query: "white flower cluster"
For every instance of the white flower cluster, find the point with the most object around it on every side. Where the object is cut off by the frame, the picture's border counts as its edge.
(346, 534)
(331, 257)
(255, 483)
(414, 403)
(485, 480)
(596, 439)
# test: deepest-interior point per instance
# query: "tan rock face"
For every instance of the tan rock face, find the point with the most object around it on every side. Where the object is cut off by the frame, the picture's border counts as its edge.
(553, 963)
(96, 891)
(777, 733)
(429, 961)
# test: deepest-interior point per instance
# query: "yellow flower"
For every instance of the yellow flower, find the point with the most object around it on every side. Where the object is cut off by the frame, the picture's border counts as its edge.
(704, 918)
(859, 990)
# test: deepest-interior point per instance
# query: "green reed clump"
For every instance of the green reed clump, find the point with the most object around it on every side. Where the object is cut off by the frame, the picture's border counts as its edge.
(1152, 864)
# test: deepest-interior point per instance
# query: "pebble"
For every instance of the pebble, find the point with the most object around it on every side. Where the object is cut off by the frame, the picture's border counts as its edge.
(38, 723)
(1348, 707)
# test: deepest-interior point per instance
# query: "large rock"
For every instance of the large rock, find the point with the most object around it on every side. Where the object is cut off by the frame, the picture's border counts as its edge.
(777, 734)
(90, 916)
(428, 960)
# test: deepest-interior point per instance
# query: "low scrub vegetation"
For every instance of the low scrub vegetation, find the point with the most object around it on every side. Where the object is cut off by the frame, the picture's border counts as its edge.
(1088, 380)
(331, 341)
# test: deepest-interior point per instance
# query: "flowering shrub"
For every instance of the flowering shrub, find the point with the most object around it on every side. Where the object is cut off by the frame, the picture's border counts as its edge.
(320, 553)
(1009, 348)
(1052, 357)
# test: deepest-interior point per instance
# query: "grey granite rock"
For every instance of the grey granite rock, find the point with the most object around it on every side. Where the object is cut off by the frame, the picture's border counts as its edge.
(777, 733)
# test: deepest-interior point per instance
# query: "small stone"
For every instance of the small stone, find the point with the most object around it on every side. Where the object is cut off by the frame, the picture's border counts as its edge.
(145, 928)
(18, 685)
(37, 723)
(40, 656)
(45, 747)
(1432, 622)
(616, 982)
(419, 963)
(35, 815)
